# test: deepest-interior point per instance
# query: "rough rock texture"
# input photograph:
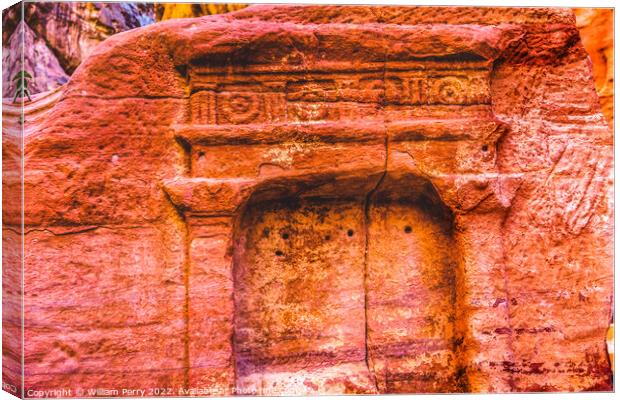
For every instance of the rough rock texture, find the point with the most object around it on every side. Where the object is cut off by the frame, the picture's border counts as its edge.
(59, 35)
(11, 252)
(66, 33)
(34, 113)
(596, 27)
(295, 200)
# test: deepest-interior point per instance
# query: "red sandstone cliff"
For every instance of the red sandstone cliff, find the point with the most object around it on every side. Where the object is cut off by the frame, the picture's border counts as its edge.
(324, 200)
(596, 26)
(58, 36)
(66, 33)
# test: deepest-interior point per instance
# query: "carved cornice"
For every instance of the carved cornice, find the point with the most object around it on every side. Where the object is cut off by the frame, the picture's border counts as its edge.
(374, 131)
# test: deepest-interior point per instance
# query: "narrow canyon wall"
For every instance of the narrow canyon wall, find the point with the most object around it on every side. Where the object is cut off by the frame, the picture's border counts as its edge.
(165, 11)
(324, 199)
(596, 27)
(59, 35)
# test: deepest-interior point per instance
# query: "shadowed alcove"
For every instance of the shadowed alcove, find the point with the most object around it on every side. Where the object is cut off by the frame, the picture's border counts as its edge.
(359, 287)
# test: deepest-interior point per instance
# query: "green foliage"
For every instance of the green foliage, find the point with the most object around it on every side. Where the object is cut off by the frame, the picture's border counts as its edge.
(23, 74)
(21, 90)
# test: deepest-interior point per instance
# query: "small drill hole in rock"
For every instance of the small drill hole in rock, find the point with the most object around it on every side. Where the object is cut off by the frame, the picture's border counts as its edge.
(328, 237)
(266, 232)
(279, 253)
(407, 229)
(485, 147)
(285, 236)
(350, 232)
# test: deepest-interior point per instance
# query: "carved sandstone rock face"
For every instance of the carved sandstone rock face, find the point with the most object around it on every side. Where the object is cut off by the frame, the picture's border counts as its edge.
(292, 200)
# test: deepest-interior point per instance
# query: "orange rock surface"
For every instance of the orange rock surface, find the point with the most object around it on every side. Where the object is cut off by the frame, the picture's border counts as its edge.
(165, 11)
(596, 27)
(323, 199)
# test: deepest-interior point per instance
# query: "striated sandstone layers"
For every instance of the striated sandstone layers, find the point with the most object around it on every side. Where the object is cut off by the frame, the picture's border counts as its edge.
(324, 199)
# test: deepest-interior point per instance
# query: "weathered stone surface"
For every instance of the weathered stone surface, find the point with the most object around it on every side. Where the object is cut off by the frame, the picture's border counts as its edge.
(66, 33)
(12, 251)
(596, 27)
(298, 200)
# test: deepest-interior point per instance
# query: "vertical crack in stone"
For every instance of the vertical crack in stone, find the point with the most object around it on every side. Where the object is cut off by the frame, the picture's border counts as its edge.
(366, 205)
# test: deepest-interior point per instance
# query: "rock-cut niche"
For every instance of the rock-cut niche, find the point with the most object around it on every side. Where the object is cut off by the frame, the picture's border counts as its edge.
(346, 295)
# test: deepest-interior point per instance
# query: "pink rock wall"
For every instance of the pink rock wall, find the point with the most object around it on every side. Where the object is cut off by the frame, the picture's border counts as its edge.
(59, 35)
(324, 200)
(596, 27)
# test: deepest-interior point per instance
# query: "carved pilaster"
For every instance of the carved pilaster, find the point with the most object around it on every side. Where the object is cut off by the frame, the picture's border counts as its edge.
(210, 312)
(484, 333)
